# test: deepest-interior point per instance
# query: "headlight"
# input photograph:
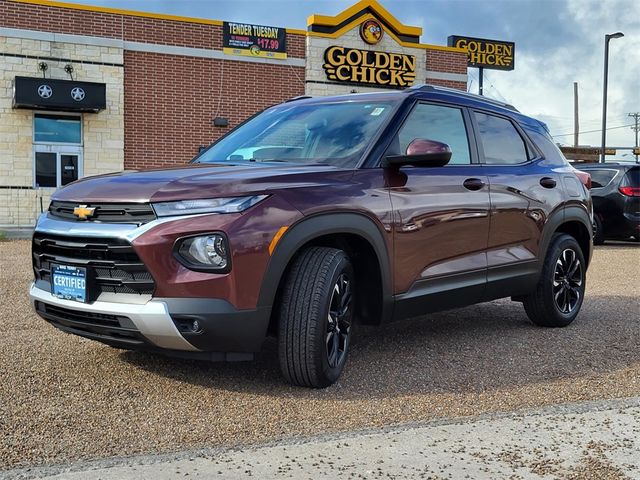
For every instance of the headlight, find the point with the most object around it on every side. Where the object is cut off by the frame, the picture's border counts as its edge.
(204, 252)
(212, 205)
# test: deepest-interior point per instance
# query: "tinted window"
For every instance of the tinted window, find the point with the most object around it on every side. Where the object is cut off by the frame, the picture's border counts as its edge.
(435, 122)
(57, 129)
(46, 166)
(632, 178)
(501, 142)
(601, 178)
(68, 168)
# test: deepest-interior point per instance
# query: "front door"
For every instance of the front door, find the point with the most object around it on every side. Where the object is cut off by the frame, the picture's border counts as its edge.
(441, 216)
(56, 165)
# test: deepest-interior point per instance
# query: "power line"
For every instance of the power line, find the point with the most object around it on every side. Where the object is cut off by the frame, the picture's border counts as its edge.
(593, 131)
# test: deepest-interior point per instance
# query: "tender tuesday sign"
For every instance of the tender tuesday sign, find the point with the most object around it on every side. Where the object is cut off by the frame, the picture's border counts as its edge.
(254, 40)
(485, 53)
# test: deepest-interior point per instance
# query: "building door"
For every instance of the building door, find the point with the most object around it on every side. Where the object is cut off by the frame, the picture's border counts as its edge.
(57, 149)
(56, 165)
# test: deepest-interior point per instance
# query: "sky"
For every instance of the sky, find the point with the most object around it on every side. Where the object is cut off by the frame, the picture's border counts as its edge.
(558, 42)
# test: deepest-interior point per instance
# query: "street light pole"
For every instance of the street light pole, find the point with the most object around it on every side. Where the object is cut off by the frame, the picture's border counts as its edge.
(607, 38)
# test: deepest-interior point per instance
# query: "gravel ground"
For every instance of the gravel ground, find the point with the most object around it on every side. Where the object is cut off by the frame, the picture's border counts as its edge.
(63, 398)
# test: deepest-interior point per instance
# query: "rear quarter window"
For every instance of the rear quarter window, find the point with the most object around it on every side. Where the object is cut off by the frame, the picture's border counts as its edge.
(632, 178)
(600, 178)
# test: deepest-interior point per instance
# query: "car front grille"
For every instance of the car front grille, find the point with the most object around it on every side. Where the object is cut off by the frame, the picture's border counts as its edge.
(112, 264)
(137, 213)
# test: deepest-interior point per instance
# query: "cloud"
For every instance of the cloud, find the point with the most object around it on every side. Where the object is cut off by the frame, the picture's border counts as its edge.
(542, 83)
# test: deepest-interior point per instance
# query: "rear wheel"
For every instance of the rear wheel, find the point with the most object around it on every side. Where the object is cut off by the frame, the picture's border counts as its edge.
(598, 231)
(560, 290)
(316, 316)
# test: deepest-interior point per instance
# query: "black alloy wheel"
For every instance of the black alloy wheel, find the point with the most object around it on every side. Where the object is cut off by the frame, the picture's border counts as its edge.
(338, 321)
(567, 281)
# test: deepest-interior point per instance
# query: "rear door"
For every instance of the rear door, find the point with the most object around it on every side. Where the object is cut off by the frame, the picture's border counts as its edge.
(441, 215)
(524, 192)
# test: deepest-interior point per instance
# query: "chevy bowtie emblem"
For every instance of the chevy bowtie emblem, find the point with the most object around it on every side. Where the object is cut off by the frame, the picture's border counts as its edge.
(83, 212)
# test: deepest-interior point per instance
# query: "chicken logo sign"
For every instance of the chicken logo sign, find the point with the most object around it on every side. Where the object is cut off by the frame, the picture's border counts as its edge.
(371, 32)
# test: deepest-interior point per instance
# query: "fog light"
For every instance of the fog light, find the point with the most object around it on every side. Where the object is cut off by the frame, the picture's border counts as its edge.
(208, 251)
(195, 326)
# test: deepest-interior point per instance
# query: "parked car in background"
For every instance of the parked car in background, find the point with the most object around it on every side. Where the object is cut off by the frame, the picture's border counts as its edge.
(315, 214)
(615, 190)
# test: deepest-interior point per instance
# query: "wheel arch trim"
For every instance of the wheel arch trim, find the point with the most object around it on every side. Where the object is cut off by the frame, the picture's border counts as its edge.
(309, 228)
(571, 213)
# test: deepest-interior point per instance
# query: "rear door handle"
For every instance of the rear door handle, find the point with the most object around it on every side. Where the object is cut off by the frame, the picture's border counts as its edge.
(473, 184)
(547, 182)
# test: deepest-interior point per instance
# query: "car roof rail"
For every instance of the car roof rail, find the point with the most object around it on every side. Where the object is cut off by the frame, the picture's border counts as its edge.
(299, 97)
(425, 87)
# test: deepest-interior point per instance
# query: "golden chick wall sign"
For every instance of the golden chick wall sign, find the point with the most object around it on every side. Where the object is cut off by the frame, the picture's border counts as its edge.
(352, 65)
(484, 53)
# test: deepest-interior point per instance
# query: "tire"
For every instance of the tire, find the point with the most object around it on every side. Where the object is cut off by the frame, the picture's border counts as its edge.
(317, 297)
(598, 231)
(553, 305)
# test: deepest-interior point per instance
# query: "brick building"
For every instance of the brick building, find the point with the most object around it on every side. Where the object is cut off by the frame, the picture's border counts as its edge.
(142, 90)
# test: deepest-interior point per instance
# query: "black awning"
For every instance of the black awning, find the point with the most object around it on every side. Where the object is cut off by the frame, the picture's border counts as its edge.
(61, 95)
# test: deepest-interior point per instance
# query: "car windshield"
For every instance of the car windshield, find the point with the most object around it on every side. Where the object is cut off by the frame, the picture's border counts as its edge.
(328, 133)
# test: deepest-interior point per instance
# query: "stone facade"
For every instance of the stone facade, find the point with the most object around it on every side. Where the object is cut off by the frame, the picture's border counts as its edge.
(103, 133)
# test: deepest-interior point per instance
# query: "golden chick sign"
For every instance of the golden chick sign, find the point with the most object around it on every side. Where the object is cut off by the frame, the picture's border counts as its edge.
(484, 53)
(352, 65)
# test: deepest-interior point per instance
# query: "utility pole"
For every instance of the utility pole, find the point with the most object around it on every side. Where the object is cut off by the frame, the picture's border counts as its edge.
(635, 128)
(576, 128)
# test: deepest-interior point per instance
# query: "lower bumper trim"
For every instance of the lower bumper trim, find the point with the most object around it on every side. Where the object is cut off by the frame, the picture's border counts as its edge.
(152, 319)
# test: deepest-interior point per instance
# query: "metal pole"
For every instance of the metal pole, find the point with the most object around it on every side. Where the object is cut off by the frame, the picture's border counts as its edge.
(576, 128)
(604, 96)
(480, 80)
(607, 37)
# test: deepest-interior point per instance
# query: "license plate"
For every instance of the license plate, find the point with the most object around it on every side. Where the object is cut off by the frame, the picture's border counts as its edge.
(69, 283)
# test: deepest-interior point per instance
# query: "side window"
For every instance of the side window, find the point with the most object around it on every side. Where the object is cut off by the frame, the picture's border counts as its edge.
(435, 122)
(501, 142)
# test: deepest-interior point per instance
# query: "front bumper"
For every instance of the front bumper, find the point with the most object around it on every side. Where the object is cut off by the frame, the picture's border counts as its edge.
(225, 333)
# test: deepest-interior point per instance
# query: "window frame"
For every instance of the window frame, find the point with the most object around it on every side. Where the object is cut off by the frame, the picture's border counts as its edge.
(79, 116)
(474, 157)
(530, 146)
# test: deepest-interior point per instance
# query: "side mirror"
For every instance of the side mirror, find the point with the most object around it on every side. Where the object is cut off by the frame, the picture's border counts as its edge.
(421, 152)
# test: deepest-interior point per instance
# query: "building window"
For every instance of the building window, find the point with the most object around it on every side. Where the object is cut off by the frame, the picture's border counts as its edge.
(57, 149)
(57, 128)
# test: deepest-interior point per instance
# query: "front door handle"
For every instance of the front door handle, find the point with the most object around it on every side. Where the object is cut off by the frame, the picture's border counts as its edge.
(473, 184)
(547, 182)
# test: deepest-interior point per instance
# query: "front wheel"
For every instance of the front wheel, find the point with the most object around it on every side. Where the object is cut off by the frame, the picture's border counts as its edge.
(316, 316)
(560, 290)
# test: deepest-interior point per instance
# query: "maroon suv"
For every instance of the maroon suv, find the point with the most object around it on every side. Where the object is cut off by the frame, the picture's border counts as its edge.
(315, 214)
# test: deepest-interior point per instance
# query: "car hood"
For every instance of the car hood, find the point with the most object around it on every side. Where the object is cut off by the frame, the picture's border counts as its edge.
(197, 181)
